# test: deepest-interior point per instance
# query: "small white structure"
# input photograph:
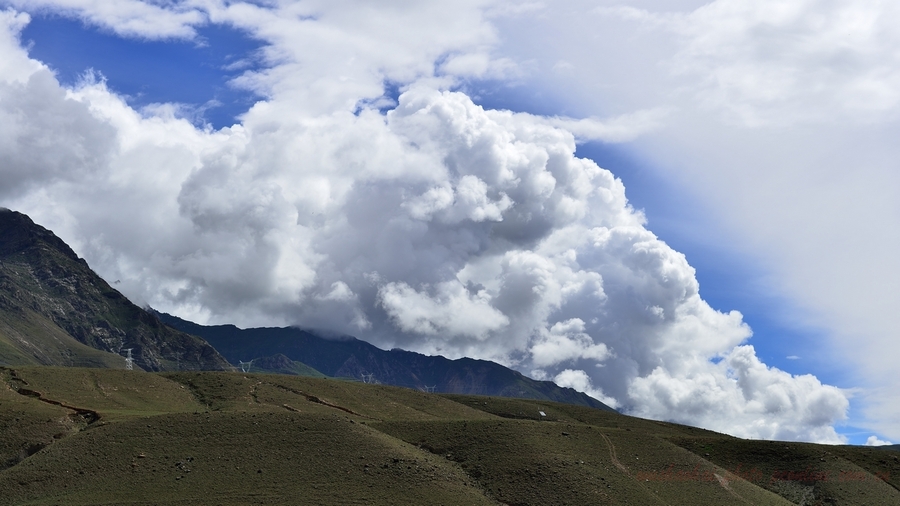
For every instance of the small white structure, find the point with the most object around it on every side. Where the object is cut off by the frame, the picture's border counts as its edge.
(245, 366)
(542, 414)
(129, 361)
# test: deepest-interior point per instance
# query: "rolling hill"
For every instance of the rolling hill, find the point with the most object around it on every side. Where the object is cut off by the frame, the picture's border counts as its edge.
(98, 436)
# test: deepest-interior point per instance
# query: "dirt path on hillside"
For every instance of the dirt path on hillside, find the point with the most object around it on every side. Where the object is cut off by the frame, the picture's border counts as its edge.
(723, 481)
(89, 416)
(615, 460)
(612, 454)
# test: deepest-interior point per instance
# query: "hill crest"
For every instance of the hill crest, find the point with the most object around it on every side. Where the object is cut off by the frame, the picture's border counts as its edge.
(350, 357)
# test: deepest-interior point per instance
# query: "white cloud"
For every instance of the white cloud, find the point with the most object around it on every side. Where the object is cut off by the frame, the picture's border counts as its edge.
(580, 381)
(359, 46)
(769, 62)
(874, 441)
(139, 18)
(515, 8)
(339, 292)
(438, 226)
(566, 341)
(451, 312)
(15, 67)
(772, 61)
(467, 201)
(46, 135)
(623, 128)
(481, 66)
(763, 402)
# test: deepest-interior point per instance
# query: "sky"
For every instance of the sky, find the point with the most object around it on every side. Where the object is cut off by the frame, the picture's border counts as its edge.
(686, 209)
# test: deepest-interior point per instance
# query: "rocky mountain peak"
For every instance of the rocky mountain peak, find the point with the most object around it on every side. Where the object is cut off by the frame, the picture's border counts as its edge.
(19, 235)
(55, 310)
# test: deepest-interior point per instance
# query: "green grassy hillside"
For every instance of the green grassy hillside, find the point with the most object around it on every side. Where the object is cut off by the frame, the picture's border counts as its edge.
(29, 338)
(99, 436)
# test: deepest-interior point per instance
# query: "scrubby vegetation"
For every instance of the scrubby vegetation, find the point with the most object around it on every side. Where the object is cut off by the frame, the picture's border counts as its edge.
(100, 436)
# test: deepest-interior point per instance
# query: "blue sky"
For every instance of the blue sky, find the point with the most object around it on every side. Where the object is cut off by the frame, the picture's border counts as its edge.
(191, 72)
(718, 172)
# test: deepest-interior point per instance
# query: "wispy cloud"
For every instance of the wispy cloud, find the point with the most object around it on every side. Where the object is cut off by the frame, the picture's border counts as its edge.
(131, 18)
(623, 128)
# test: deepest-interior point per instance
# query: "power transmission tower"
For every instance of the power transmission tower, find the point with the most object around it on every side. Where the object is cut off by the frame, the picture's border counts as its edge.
(129, 361)
(369, 378)
(430, 389)
(245, 366)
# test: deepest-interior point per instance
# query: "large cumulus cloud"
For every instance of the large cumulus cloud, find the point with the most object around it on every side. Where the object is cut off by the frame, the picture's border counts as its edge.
(430, 224)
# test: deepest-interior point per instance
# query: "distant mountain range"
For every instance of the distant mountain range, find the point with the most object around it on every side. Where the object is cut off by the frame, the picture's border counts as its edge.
(349, 357)
(54, 310)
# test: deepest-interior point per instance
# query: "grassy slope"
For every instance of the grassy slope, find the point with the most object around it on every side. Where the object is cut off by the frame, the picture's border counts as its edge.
(27, 426)
(281, 364)
(33, 339)
(233, 438)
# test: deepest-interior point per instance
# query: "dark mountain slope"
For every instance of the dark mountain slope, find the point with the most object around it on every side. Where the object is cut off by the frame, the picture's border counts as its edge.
(54, 310)
(350, 357)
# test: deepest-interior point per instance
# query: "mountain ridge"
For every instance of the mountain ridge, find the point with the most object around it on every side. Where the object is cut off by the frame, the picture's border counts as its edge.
(55, 310)
(347, 356)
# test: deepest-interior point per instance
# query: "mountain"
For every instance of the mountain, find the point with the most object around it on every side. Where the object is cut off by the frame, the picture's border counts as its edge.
(352, 358)
(54, 310)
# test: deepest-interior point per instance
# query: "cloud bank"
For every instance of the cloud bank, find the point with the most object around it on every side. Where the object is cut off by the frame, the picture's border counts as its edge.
(430, 224)
(781, 128)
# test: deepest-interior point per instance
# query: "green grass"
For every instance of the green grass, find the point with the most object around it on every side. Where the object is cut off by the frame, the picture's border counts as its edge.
(114, 393)
(234, 438)
(32, 339)
(238, 458)
(27, 426)
(839, 474)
